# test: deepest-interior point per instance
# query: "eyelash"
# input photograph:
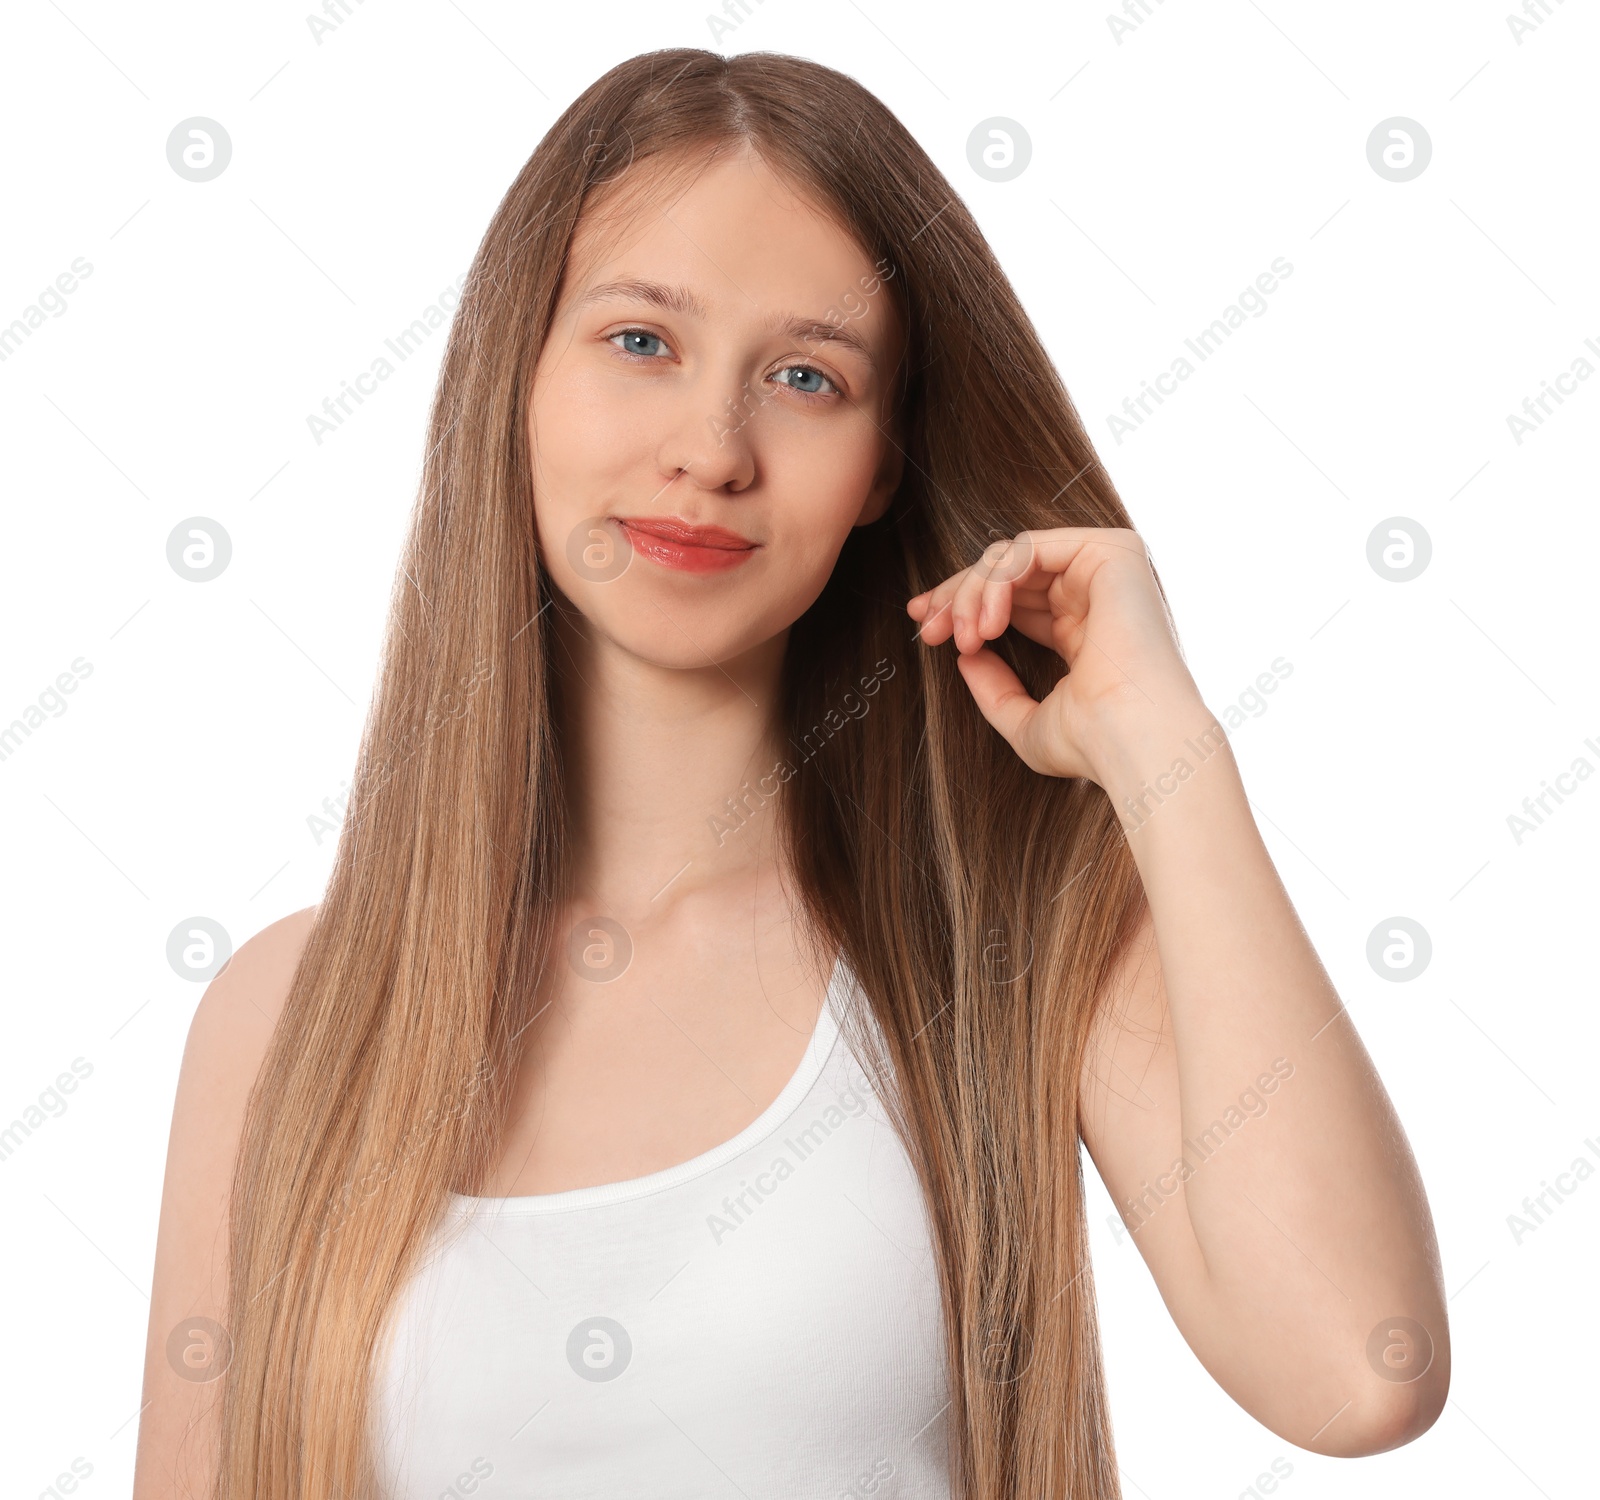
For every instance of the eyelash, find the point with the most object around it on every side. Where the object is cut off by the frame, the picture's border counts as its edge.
(803, 395)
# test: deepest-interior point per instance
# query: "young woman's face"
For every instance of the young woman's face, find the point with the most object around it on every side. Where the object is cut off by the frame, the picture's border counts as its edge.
(709, 413)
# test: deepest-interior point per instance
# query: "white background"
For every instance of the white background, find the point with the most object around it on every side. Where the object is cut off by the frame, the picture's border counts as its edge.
(1168, 170)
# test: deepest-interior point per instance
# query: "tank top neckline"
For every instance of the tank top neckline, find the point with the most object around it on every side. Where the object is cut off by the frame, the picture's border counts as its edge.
(818, 1050)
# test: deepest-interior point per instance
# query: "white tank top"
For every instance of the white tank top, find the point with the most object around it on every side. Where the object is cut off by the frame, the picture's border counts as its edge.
(763, 1319)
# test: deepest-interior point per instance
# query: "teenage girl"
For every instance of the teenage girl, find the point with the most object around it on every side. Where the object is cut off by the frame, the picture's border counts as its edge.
(785, 828)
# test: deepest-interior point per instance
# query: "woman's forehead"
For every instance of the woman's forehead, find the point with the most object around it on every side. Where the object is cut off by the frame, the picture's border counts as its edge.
(695, 215)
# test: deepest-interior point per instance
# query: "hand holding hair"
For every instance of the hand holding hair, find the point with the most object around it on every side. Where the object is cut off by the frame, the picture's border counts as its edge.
(1090, 595)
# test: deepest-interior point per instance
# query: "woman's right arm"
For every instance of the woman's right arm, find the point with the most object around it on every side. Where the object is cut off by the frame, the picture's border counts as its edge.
(227, 1042)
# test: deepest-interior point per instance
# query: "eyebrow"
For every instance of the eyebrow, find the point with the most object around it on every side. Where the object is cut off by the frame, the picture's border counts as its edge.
(681, 300)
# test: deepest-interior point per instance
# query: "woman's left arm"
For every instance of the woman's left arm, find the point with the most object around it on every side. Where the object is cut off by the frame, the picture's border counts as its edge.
(1227, 1100)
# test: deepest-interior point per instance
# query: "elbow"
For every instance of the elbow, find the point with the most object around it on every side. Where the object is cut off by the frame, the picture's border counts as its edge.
(1383, 1420)
(1395, 1420)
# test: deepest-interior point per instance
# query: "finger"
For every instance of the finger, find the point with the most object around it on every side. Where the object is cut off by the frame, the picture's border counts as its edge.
(933, 621)
(999, 694)
(937, 624)
(1012, 585)
(933, 603)
(1029, 565)
(982, 606)
(1047, 554)
(1001, 593)
(964, 606)
(1038, 625)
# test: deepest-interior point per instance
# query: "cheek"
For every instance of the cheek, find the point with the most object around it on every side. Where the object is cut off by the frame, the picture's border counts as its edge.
(823, 480)
(815, 505)
(579, 427)
(580, 451)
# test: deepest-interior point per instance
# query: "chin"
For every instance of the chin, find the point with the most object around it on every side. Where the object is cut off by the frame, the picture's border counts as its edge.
(723, 662)
(684, 640)
(708, 623)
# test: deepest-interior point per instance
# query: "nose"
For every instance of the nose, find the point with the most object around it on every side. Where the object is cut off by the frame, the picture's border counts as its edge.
(709, 433)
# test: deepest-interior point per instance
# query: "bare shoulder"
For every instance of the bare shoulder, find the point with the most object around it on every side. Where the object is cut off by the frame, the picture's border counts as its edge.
(240, 1008)
(227, 1041)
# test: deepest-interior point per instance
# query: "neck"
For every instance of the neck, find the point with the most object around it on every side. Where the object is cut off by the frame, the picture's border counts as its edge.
(652, 755)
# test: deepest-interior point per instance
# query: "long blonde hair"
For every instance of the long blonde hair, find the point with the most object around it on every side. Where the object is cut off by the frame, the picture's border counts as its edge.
(980, 905)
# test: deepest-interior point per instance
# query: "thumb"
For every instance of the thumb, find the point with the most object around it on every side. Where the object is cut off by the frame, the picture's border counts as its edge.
(999, 694)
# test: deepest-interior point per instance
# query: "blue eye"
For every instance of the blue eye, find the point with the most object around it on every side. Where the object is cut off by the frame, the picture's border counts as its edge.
(807, 373)
(633, 337)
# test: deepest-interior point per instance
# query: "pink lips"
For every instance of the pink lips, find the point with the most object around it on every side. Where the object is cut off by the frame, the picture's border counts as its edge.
(674, 543)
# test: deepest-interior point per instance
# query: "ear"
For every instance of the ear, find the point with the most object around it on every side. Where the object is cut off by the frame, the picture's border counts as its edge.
(887, 480)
